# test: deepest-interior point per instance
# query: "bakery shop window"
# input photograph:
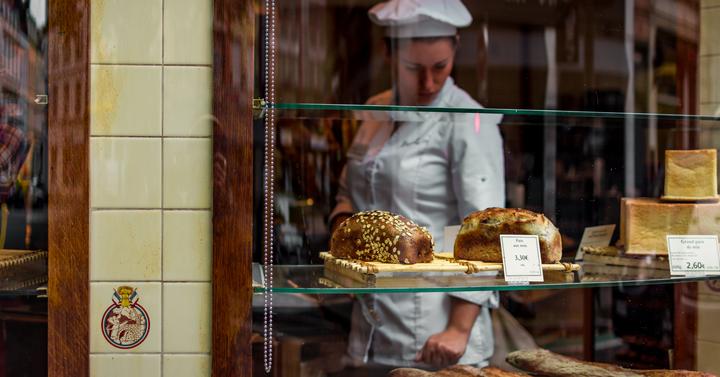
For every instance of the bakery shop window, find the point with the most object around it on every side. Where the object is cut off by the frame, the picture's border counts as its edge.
(409, 137)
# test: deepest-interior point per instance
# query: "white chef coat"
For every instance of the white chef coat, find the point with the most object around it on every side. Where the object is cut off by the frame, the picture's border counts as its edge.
(435, 169)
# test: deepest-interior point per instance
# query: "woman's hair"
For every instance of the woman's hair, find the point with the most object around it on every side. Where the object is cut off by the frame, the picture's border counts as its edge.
(392, 44)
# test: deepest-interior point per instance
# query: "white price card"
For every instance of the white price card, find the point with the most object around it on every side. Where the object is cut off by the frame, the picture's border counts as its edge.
(693, 255)
(598, 236)
(521, 258)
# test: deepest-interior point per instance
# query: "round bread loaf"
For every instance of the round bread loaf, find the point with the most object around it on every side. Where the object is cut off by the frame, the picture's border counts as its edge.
(380, 236)
(479, 235)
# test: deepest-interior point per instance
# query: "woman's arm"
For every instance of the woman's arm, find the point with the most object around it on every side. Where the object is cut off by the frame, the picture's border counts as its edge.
(447, 347)
(343, 209)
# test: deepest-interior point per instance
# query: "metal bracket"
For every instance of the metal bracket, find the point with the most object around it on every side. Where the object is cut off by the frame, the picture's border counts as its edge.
(259, 105)
(42, 291)
(41, 99)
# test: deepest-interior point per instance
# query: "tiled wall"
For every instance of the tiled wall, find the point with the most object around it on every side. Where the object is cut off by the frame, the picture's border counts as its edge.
(708, 334)
(150, 194)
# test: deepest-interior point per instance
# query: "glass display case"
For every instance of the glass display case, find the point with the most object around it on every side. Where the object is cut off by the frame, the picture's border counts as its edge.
(388, 132)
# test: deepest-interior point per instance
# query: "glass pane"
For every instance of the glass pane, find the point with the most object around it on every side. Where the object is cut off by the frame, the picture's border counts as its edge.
(562, 108)
(312, 279)
(24, 186)
(621, 55)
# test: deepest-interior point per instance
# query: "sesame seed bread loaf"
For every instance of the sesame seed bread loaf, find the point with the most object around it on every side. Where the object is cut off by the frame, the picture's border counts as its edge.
(455, 371)
(479, 235)
(380, 236)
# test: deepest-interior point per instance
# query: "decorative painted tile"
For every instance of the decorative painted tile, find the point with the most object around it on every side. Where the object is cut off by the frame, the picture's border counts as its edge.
(186, 366)
(187, 173)
(125, 100)
(125, 317)
(710, 31)
(187, 245)
(187, 101)
(188, 32)
(125, 245)
(125, 172)
(126, 31)
(187, 317)
(125, 365)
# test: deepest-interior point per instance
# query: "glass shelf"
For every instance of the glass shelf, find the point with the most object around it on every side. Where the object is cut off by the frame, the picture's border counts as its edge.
(313, 279)
(509, 112)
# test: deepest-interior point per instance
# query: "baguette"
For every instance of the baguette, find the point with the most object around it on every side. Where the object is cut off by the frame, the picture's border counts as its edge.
(673, 373)
(549, 364)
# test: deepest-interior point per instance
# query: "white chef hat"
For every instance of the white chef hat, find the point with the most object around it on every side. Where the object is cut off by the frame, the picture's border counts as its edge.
(420, 18)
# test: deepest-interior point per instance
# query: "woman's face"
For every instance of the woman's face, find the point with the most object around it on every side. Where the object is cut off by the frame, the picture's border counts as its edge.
(421, 68)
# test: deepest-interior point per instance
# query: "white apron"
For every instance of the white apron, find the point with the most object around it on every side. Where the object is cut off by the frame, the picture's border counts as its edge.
(435, 169)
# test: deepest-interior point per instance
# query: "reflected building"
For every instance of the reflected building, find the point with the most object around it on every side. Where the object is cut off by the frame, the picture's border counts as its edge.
(23, 82)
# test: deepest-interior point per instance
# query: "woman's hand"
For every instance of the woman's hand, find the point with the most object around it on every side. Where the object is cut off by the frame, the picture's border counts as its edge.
(445, 348)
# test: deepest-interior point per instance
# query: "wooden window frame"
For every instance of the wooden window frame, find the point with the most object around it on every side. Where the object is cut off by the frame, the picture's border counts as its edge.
(68, 191)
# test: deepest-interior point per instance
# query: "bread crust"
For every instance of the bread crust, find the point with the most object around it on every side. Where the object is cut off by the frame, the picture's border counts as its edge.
(479, 235)
(455, 371)
(549, 364)
(380, 236)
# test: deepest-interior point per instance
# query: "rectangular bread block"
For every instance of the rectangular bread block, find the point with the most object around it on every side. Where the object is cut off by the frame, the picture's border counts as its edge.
(691, 174)
(645, 223)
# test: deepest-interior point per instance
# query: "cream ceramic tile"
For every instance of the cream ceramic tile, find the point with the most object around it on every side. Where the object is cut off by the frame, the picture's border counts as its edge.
(149, 298)
(710, 31)
(187, 173)
(125, 172)
(186, 365)
(709, 3)
(707, 357)
(126, 31)
(187, 101)
(125, 365)
(709, 79)
(708, 313)
(125, 245)
(187, 317)
(710, 109)
(125, 100)
(187, 245)
(188, 32)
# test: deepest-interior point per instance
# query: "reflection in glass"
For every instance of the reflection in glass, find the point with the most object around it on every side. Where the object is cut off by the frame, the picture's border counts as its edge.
(623, 81)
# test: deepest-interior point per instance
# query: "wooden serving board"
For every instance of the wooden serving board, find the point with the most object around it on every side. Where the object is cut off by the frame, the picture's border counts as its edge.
(442, 265)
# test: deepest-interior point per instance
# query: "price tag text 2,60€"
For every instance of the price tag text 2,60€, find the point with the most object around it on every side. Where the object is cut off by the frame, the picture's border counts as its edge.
(693, 254)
